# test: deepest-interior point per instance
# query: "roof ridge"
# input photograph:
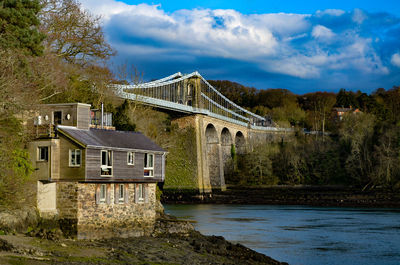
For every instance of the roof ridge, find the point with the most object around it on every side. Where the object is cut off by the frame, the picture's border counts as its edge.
(100, 129)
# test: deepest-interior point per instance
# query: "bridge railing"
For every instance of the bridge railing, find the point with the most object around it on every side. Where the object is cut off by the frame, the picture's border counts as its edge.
(175, 92)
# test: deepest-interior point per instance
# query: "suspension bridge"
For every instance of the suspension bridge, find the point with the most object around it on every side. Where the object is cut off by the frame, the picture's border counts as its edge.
(191, 93)
(219, 123)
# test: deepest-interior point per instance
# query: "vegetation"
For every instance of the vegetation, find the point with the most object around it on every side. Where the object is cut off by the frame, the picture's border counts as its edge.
(361, 148)
(41, 65)
(54, 51)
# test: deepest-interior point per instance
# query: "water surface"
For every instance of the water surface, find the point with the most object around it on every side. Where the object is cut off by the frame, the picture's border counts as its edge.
(303, 234)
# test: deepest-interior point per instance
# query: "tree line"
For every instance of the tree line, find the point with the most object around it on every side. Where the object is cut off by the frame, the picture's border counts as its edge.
(359, 148)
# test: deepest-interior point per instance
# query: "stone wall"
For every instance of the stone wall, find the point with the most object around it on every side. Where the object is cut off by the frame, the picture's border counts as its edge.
(46, 199)
(112, 218)
(256, 138)
(79, 213)
(67, 200)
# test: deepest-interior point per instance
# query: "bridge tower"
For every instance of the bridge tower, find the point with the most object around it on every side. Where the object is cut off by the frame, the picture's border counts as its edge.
(215, 139)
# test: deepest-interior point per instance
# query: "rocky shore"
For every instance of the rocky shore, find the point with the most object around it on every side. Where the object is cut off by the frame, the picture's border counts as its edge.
(336, 196)
(192, 248)
(172, 242)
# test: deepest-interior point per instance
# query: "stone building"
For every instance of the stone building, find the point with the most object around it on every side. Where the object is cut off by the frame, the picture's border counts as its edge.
(98, 182)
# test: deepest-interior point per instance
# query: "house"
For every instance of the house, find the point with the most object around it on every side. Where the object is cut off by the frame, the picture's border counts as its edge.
(99, 182)
(340, 112)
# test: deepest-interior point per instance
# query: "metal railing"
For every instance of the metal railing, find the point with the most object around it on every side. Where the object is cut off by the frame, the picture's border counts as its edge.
(95, 118)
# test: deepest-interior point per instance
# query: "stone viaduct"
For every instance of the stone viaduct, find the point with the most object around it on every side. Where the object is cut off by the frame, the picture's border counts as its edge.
(214, 140)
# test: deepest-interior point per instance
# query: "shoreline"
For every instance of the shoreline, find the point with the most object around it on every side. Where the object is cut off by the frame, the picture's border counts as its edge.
(323, 196)
(193, 248)
(173, 241)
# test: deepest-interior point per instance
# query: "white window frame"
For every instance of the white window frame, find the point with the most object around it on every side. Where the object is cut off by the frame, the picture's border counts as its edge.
(130, 158)
(108, 166)
(147, 167)
(103, 191)
(40, 148)
(121, 193)
(141, 193)
(72, 154)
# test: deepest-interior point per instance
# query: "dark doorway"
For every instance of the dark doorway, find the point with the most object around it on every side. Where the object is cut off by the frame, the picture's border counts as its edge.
(57, 115)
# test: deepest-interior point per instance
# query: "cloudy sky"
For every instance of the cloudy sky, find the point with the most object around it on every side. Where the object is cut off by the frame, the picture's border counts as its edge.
(303, 46)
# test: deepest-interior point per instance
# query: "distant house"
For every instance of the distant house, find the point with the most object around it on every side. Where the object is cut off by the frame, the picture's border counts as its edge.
(100, 182)
(340, 112)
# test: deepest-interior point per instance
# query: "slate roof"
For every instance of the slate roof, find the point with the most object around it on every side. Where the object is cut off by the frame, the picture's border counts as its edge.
(110, 138)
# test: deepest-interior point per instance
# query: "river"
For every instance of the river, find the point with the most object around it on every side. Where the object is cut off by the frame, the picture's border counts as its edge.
(303, 234)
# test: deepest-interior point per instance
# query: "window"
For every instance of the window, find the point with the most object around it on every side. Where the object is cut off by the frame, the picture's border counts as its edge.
(121, 193)
(75, 157)
(131, 158)
(148, 165)
(140, 193)
(43, 153)
(103, 193)
(106, 163)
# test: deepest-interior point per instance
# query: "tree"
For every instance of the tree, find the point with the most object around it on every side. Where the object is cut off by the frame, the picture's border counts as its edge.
(19, 26)
(241, 95)
(356, 133)
(387, 157)
(392, 103)
(274, 98)
(320, 106)
(16, 98)
(346, 99)
(289, 113)
(73, 33)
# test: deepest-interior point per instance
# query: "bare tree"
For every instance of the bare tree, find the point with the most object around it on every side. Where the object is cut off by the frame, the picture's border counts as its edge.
(73, 33)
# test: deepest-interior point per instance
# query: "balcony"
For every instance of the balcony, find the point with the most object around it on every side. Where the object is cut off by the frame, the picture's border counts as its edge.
(95, 120)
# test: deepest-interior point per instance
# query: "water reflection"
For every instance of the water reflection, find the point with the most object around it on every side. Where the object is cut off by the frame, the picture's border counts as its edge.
(304, 234)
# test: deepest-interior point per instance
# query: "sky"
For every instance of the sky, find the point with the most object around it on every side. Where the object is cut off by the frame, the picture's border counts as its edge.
(303, 46)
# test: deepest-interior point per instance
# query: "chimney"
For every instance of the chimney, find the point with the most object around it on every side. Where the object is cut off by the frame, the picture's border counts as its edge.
(102, 115)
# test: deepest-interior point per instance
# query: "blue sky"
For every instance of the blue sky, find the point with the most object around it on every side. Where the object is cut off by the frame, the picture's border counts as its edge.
(303, 46)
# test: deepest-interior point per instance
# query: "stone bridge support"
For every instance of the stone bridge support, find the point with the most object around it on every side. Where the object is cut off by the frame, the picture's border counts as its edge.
(215, 141)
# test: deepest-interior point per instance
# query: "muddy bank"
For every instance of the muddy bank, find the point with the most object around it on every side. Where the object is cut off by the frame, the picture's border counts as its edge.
(192, 248)
(290, 195)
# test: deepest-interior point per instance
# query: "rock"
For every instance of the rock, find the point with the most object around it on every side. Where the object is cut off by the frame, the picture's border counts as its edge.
(5, 246)
(166, 225)
(18, 220)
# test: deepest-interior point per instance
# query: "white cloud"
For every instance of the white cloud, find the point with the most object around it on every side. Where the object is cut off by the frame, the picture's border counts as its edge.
(321, 32)
(359, 16)
(290, 44)
(396, 59)
(331, 12)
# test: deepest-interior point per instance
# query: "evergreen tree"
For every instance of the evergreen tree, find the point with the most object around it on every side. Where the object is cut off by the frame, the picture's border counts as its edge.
(18, 26)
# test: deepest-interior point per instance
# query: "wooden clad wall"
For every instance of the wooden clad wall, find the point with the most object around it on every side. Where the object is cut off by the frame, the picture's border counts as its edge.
(93, 162)
(157, 166)
(121, 169)
(124, 171)
(65, 109)
(83, 116)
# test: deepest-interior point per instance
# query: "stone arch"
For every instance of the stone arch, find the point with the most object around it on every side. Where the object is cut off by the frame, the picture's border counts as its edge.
(213, 157)
(226, 146)
(240, 143)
